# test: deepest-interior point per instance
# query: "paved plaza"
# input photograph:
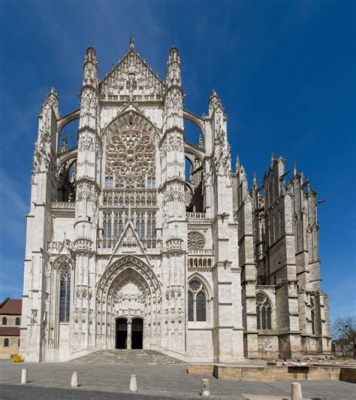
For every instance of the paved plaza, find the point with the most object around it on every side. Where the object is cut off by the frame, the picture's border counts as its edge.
(106, 375)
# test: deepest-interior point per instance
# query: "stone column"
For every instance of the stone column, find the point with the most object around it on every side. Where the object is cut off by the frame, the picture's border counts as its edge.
(129, 334)
(174, 215)
(87, 190)
(227, 330)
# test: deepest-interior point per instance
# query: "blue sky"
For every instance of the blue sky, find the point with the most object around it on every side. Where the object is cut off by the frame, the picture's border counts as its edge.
(285, 71)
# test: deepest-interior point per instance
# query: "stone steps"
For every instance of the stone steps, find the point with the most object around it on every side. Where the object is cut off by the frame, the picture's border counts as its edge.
(127, 357)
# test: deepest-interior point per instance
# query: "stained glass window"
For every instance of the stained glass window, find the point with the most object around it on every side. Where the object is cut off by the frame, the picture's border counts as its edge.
(196, 301)
(64, 296)
(263, 311)
(190, 307)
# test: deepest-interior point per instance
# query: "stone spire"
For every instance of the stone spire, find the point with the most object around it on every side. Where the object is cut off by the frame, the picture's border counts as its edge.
(173, 184)
(86, 193)
(214, 102)
(46, 139)
(90, 69)
(237, 164)
(173, 73)
(132, 43)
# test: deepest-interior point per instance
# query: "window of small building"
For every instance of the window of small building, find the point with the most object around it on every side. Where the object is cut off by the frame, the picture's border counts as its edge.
(17, 321)
(4, 320)
(6, 342)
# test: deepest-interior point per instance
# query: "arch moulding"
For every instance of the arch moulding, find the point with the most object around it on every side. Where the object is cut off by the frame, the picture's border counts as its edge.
(124, 263)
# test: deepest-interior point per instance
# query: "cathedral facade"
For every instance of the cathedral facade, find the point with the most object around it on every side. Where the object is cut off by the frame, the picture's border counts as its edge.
(128, 248)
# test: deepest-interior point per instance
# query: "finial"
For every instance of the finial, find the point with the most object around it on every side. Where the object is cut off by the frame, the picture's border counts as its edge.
(272, 158)
(200, 142)
(294, 168)
(254, 179)
(64, 146)
(214, 100)
(237, 164)
(132, 43)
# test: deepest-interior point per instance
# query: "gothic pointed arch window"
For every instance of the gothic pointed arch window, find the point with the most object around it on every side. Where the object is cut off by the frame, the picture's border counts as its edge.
(197, 301)
(129, 174)
(312, 314)
(263, 311)
(64, 294)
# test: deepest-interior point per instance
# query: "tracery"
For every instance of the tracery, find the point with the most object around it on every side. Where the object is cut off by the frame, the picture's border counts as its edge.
(129, 180)
(264, 312)
(196, 301)
(64, 294)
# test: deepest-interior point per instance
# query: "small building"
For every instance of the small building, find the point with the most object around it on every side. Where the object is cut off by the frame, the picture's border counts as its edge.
(10, 322)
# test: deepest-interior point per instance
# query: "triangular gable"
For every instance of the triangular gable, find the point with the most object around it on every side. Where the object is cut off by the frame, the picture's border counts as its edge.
(132, 80)
(66, 248)
(129, 242)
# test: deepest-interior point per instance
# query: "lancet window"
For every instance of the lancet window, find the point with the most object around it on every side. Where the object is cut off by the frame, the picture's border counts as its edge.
(129, 181)
(197, 300)
(312, 314)
(64, 295)
(263, 311)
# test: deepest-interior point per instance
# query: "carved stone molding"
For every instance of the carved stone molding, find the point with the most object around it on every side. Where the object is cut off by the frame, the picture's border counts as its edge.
(196, 240)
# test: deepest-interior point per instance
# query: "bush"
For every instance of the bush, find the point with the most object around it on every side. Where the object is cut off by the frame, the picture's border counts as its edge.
(16, 358)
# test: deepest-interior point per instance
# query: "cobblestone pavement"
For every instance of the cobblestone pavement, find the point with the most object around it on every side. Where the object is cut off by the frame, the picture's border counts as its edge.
(147, 357)
(111, 380)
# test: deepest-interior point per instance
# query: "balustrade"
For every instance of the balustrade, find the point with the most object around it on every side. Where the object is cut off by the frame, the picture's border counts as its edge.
(196, 215)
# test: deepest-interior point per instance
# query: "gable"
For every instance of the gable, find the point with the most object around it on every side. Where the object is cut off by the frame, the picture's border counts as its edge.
(131, 80)
(129, 242)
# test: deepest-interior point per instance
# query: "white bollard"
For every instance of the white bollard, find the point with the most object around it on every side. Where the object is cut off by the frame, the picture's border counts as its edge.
(23, 376)
(296, 391)
(205, 392)
(74, 380)
(133, 383)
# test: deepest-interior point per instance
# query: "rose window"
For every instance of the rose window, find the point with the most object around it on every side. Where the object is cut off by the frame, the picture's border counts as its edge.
(196, 241)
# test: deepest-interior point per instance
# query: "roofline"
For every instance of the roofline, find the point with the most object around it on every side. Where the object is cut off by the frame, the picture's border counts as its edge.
(141, 59)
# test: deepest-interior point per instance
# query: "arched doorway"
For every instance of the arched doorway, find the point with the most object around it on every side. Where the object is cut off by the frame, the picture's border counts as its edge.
(129, 333)
(128, 296)
(137, 333)
(121, 333)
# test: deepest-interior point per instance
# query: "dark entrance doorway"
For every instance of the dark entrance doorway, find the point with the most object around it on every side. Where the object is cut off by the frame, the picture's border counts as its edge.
(137, 333)
(121, 333)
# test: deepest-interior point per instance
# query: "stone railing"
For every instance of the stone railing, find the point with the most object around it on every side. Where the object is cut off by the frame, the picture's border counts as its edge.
(196, 215)
(63, 204)
(135, 198)
(54, 247)
(201, 252)
(174, 244)
(148, 243)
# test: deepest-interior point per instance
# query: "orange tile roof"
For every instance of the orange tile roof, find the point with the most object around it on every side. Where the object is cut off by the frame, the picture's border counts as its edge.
(11, 307)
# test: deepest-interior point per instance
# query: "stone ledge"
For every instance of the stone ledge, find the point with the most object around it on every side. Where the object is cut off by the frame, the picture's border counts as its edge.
(268, 373)
(348, 375)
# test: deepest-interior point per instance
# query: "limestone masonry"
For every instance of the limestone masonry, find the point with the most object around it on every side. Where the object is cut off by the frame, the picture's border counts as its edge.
(137, 238)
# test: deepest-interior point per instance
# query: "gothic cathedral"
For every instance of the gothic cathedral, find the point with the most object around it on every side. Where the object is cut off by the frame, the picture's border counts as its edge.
(128, 248)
